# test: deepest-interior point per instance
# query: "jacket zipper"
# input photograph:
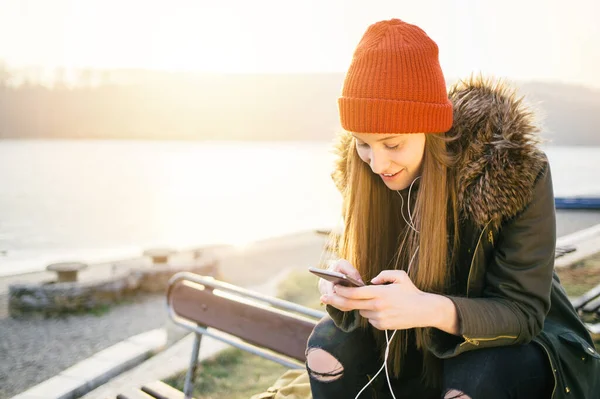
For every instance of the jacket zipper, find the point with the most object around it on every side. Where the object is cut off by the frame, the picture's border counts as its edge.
(477, 341)
(474, 254)
(554, 371)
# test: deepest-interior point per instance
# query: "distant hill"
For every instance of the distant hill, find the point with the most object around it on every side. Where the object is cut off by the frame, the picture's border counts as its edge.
(159, 105)
(571, 114)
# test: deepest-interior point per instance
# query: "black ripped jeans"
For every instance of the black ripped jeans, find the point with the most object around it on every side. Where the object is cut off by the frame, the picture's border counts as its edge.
(516, 372)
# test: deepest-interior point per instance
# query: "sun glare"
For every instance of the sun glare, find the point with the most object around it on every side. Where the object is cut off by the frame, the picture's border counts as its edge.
(183, 35)
(281, 36)
(187, 40)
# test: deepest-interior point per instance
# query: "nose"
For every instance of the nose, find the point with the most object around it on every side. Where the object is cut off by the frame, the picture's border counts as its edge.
(378, 162)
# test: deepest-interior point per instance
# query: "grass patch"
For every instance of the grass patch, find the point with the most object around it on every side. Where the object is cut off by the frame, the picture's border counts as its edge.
(596, 338)
(236, 374)
(232, 374)
(100, 310)
(301, 287)
(580, 277)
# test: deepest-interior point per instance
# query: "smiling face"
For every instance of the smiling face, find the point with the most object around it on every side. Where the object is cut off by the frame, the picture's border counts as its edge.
(396, 158)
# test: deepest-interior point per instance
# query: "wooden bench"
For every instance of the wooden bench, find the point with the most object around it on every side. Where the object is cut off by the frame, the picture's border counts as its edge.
(269, 327)
(563, 250)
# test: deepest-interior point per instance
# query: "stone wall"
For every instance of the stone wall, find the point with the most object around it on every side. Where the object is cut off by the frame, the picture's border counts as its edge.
(52, 298)
(156, 279)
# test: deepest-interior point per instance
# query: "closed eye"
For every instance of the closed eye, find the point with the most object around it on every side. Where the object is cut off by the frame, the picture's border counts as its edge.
(392, 147)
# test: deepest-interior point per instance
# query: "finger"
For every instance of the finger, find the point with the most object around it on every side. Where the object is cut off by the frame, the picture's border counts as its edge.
(378, 324)
(325, 287)
(347, 304)
(366, 292)
(368, 314)
(390, 276)
(379, 321)
(326, 300)
(343, 266)
(374, 318)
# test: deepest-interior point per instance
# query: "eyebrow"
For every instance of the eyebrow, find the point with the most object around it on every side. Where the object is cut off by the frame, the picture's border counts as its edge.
(381, 139)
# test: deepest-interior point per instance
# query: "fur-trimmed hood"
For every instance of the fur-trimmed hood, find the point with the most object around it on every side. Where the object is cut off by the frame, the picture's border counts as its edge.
(497, 146)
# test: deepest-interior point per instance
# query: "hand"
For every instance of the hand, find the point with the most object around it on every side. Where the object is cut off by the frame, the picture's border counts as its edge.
(341, 266)
(396, 306)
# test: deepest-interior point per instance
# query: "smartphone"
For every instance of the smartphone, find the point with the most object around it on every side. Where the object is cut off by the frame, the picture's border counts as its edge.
(335, 277)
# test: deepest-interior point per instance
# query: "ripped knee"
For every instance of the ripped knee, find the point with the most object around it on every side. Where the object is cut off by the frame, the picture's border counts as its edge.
(322, 365)
(454, 394)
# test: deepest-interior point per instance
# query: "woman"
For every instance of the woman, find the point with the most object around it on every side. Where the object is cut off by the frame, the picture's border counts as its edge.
(449, 218)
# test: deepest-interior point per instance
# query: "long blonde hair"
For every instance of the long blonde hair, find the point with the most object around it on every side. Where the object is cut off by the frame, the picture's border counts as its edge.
(376, 236)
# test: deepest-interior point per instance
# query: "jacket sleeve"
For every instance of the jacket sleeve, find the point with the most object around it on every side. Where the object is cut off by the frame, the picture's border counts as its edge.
(518, 279)
(345, 321)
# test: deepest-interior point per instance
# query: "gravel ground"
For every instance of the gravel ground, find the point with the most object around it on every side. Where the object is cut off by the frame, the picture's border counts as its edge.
(35, 349)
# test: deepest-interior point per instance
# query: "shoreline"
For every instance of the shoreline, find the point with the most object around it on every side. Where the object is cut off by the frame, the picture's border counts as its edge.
(103, 257)
(568, 221)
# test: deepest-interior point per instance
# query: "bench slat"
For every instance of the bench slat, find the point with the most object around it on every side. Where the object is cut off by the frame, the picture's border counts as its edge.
(592, 306)
(160, 390)
(589, 296)
(133, 394)
(263, 326)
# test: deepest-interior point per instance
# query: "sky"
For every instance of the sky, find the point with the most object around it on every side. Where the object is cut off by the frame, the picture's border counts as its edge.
(544, 40)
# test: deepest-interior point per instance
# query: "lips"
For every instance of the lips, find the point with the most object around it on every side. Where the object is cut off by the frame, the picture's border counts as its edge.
(389, 176)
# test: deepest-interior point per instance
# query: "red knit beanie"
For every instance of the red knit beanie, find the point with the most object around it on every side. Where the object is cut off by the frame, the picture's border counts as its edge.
(395, 83)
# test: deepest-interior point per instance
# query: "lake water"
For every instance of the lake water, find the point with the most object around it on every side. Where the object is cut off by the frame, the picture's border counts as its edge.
(97, 200)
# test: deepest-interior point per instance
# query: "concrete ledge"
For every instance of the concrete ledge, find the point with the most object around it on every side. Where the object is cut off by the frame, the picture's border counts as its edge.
(98, 369)
(586, 242)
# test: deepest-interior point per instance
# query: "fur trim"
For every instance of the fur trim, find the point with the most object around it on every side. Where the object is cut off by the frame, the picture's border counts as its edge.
(499, 159)
(343, 145)
(497, 147)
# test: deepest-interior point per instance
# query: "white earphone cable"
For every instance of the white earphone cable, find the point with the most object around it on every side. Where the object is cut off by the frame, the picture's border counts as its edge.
(409, 223)
(389, 340)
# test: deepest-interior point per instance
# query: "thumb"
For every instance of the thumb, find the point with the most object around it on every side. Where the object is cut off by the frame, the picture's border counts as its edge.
(390, 276)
